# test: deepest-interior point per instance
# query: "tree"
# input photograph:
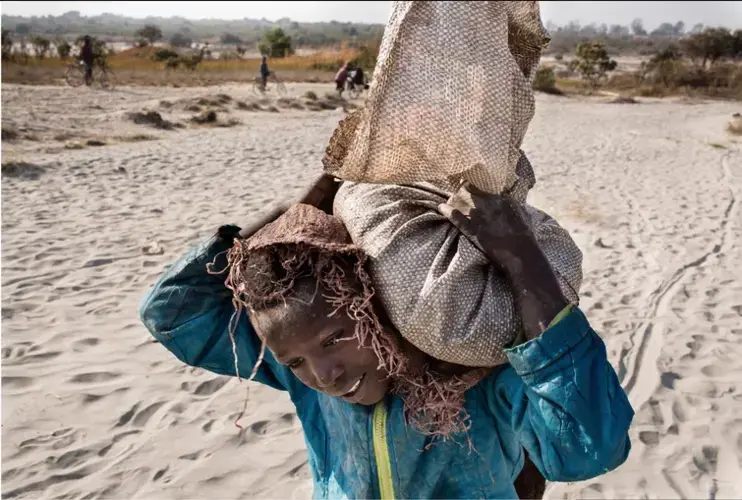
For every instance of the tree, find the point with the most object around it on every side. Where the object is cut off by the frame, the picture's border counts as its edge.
(736, 52)
(664, 29)
(7, 45)
(697, 28)
(709, 46)
(181, 40)
(276, 43)
(679, 28)
(593, 62)
(637, 27)
(230, 39)
(64, 49)
(41, 47)
(23, 29)
(617, 30)
(151, 33)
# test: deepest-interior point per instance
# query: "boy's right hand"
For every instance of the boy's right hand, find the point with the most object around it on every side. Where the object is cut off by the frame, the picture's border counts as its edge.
(320, 194)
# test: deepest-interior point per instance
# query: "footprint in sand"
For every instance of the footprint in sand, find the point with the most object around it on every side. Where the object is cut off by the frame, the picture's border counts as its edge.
(17, 382)
(118, 437)
(191, 456)
(97, 262)
(141, 419)
(714, 370)
(211, 386)
(84, 344)
(34, 358)
(126, 417)
(71, 458)
(208, 425)
(650, 438)
(94, 377)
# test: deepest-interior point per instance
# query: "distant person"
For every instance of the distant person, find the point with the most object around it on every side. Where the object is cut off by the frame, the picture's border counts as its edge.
(358, 78)
(264, 71)
(341, 77)
(87, 56)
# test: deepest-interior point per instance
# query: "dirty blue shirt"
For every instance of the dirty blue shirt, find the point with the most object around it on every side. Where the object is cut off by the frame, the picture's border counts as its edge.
(559, 399)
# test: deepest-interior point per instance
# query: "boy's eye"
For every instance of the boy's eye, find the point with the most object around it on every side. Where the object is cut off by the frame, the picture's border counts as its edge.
(294, 363)
(334, 338)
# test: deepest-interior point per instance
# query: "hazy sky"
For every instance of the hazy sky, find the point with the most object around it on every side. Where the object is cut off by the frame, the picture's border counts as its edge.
(727, 13)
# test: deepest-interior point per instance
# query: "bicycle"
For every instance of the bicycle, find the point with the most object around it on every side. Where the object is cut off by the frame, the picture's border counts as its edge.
(75, 75)
(259, 89)
(355, 90)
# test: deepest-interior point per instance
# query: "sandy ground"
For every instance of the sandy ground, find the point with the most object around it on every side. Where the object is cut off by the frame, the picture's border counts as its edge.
(92, 408)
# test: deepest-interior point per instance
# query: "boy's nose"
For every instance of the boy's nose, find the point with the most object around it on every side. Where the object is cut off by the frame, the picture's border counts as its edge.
(327, 373)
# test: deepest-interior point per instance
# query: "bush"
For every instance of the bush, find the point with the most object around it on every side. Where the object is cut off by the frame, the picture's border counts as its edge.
(276, 44)
(7, 44)
(162, 55)
(544, 79)
(230, 39)
(592, 62)
(64, 48)
(41, 47)
(367, 56)
(149, 34)
(181, 40)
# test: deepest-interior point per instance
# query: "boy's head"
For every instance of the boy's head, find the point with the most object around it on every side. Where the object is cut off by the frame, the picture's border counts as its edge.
(309, 297)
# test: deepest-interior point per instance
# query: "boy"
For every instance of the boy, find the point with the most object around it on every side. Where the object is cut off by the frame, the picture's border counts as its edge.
(369, 433)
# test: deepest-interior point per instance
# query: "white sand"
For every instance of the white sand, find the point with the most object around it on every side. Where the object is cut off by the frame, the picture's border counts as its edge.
(93, 408)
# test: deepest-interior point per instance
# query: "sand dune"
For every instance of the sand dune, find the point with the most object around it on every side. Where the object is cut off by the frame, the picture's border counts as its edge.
(92, 408)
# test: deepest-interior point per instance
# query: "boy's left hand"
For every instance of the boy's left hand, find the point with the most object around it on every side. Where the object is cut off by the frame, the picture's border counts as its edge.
(496, 223)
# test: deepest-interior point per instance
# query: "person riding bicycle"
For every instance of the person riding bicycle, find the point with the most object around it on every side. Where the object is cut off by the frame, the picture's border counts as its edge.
(264, 71)
(87, 56)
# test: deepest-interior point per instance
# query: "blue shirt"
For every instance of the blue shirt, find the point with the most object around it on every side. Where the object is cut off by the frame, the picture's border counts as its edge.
(559, 398)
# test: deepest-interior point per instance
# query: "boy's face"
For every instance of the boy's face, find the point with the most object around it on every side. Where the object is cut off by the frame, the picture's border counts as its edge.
(321, 349)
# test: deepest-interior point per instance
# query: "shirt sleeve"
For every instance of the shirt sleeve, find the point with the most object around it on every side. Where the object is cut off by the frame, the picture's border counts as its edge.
(563, 401)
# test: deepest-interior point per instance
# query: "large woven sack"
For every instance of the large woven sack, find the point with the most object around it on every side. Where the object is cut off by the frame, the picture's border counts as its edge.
(450, 101)
(438, 289)
(450, 97)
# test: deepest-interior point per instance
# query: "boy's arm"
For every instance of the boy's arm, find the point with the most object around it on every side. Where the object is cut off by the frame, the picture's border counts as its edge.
(562, 399)
(189, 311)
(560, 396)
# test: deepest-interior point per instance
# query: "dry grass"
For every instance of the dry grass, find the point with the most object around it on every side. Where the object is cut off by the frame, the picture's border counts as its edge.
(136, 68)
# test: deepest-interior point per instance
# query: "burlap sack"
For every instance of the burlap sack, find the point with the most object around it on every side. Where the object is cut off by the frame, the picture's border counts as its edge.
(450, 97)
(440, 291)
(450, 100)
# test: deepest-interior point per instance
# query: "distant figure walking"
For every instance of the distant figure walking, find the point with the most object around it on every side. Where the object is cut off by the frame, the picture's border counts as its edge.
(341, 77)
(87, 56)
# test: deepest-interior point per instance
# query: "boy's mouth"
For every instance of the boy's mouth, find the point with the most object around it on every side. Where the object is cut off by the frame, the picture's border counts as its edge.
(353, 390)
